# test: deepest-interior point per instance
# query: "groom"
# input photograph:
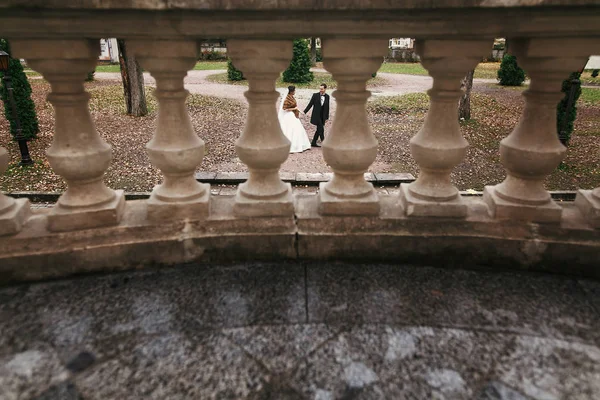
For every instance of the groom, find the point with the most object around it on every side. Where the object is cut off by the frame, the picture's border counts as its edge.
(320, 113)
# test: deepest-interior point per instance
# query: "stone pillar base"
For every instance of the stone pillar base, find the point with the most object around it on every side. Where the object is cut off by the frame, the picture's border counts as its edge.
(589, 207)
(503, 209)
(12, 220)
(280, 207)
(415, 207)
(198, 208)
(63, 219)
(330, 205)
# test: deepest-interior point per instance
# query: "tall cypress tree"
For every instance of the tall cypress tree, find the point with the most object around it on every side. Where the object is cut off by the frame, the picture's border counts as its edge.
(299, 69)
(22, 96)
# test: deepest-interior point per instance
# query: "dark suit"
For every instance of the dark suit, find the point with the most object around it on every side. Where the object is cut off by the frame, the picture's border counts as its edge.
(319, 115)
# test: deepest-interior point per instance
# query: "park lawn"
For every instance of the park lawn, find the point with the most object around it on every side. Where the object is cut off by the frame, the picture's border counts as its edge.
(483, 70)
(319, 78)
(210, 65)
(393, 120)
(200, 65)
(587, 79)
(590, 96)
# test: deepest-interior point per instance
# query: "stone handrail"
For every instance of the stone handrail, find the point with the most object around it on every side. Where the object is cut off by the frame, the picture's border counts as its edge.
(92, 227)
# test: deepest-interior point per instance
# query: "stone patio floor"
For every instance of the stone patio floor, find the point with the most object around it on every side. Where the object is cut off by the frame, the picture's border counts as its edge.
(301, 331)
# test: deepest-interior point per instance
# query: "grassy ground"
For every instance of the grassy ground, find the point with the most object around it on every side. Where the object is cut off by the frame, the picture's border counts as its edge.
(394, 120)
(495, 112)
(319, 78)
(483, 70)
(201, 65)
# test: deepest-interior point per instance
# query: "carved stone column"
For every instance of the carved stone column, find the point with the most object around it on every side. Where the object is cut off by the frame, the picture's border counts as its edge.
(175, 148)
(262, 146)
(350, 148)
(13, 212)
(532, 151)
(439, 146)
(77, 153)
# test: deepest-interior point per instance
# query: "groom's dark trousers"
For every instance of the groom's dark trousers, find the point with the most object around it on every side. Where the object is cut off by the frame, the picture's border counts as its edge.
(319, 115)
(320, 133)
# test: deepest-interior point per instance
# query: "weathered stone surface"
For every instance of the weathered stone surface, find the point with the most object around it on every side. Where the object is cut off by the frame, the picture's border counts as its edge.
(205, 366)
(13, 218)
(498, 391)
(303, 178)
(589, 205)
(415, 207)
(241, 332)
(297, 5)
(545, 368)
(502, 209)
(385, 362)
(281, 348)
(28, 372)
(390, 178)
(231, 177)
(63, 391)
(524, 304)
(205, 176)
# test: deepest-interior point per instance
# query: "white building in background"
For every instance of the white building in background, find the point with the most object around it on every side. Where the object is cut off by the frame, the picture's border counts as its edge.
(109, 50)
(593, 63)
(401, 43)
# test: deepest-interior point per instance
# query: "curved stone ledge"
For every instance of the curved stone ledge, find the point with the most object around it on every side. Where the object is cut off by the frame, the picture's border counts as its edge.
(572, 247)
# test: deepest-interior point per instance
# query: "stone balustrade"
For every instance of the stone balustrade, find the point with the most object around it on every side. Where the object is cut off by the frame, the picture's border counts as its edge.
(92, 227)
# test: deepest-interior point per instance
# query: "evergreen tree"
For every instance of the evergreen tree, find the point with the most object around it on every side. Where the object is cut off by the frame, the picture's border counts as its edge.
(22, 96)
(234, 74)
(561, 109)
(299, 69)
(510, 74)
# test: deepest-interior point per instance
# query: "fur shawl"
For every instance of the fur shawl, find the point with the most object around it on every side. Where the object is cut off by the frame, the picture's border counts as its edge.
(290, 102)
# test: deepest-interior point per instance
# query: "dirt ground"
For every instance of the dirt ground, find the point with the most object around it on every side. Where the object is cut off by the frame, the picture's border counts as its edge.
(218, 115)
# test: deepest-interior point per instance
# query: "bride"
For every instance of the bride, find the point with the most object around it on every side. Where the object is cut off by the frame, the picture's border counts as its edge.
(290, 123)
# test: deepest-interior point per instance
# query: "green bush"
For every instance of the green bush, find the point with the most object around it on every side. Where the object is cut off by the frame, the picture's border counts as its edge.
(90, 76)
(234, 74)
(22, 96)
(319, 56)
(299, 69)
(212, 55)
(561, 109)
(510, 74)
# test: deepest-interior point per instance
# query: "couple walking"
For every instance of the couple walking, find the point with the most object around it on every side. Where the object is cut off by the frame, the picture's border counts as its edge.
(289, 119)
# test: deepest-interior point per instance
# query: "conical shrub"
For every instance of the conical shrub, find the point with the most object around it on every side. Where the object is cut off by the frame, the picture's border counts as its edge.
(22, 96)
(299, 69)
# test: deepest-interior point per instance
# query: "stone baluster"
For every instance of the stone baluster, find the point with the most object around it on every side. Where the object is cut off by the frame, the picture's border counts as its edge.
(588, 202)
(13, 212)
(262, 146)
(77, 153)
(350, 148)
(439, 146)
(175, 148)
(532, 151)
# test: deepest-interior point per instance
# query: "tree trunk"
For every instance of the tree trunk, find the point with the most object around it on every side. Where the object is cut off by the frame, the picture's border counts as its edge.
(313, 51)
(133, 82)
(464, 104)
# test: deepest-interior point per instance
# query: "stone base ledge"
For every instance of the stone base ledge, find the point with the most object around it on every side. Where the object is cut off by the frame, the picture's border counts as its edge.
(416, 207)
(571, 247)
(589, 207)
(502, 209)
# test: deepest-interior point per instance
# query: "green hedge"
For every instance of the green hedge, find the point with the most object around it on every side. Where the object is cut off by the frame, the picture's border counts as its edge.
(561, 109)
(299, 69)
(22, 96)
(510, 74)
(234, 74)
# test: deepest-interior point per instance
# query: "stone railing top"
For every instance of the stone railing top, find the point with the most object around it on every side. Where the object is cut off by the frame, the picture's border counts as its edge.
(263, 5)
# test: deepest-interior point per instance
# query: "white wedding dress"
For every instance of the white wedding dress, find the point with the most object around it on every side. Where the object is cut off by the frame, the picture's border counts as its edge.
(292, 129)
